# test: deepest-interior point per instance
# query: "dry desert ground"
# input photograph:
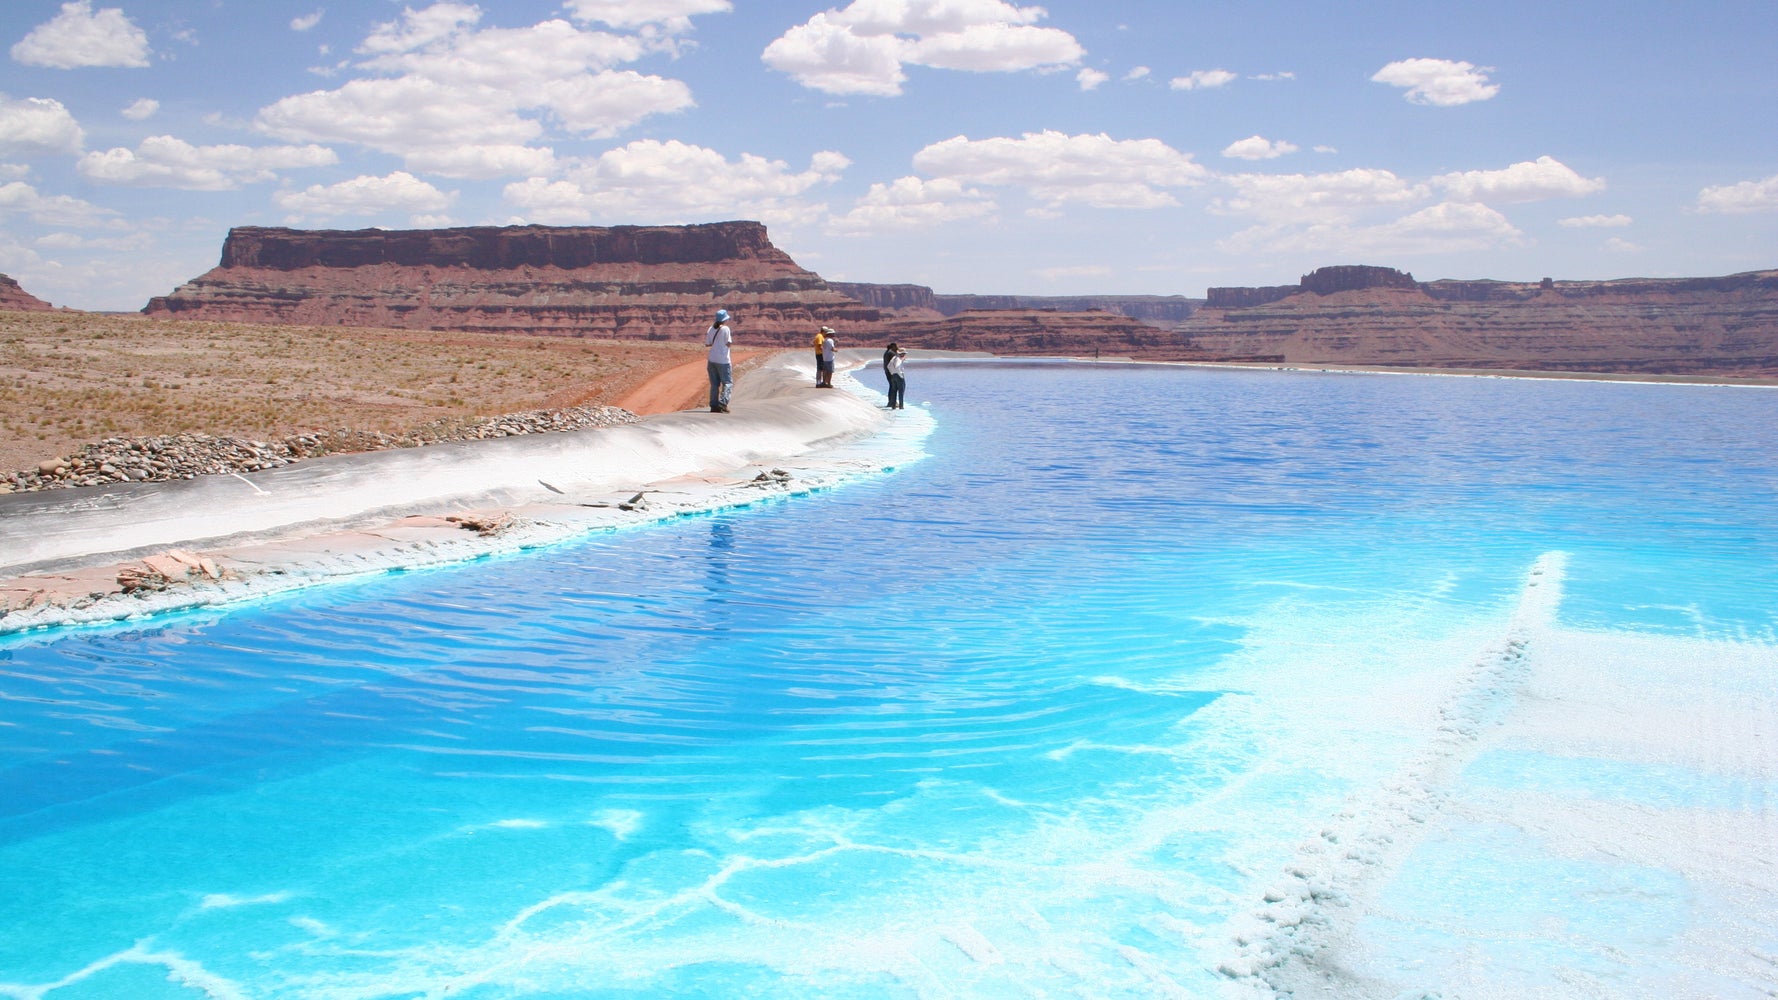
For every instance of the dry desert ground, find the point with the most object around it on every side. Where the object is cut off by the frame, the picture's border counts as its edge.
(69, 378)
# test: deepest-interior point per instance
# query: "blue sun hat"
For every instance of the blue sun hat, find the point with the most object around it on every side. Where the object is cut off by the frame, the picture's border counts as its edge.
(722, 315)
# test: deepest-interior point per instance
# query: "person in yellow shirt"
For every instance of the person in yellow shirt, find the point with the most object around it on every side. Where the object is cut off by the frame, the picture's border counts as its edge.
(821, 378)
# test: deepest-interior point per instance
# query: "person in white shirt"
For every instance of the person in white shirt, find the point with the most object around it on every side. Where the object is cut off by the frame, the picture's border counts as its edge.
(718, 338)
(894, 359)
(830, 346)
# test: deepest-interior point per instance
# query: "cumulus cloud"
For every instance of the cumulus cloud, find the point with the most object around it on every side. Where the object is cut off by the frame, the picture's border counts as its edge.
(1439, 82)
(163, 161)
(864, 47)
(141, 109)
(674, 182)
(1203, 79)
(458, 100)
(1443, 228)
(1090, 79)
(1317, 198)
(53, 210)
(1057, 168)
(1742, 198)
(1137, 73)
(37, 126)
(80, 36)
(399, 192)
(1065, 273)
(1594, 222)
(306, 21)
(1258, 148)
(486, 161)
(1531, 180)
(912, 203)
(670, 15)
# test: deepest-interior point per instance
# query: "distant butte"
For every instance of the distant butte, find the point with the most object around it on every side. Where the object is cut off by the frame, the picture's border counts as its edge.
(631, 282)
(664, 282)
(1725, 326)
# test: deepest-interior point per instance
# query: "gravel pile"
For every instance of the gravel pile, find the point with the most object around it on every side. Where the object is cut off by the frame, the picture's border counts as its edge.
(187, 456)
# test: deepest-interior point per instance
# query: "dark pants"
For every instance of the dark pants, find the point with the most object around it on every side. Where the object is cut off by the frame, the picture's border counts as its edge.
(721, 377)
(898, 390)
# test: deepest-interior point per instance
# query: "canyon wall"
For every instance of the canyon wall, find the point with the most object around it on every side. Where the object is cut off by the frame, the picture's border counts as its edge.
(17, 299)
(665, 282)
(637, 282)
(1157, 309)
(1375, 316)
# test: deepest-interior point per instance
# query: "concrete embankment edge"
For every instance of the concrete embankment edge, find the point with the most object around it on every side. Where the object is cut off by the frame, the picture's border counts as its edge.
(102, 554)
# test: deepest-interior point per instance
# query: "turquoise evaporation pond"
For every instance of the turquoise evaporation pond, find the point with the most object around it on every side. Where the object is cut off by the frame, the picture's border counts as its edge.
(954, 729)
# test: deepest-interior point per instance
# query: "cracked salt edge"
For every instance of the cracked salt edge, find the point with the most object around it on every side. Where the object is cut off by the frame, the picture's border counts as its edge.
(819, 440)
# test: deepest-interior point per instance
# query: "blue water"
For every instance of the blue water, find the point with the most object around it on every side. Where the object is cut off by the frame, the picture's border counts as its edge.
(1035, 715)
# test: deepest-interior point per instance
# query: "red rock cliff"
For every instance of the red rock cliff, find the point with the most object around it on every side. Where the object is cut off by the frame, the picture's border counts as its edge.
(648, 282)
(1677, 326)
(17, 299)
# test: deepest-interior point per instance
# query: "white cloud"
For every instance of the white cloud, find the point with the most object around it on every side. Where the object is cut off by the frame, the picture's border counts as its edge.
(1546, 177)
(912, 203)
(1057, 168)
(1594, 222)
(1275, 77)
(1317, 198)
(1064, 273)
(862, 48)
(456, 100)
(141, 109)
(1448, 227)
(671, 15)
(399, 192)
(37, 126)
(306, 21)
(1618, 244)
(14, 171)
(54, 210)
(674, 182)
(1090, 79)
(1739, 199)
(1439, 82)
(1203, 79)
(130, 243)
(80, 37)
(163, 161)
(485, 162)
(1258, 148)
(1138, 73)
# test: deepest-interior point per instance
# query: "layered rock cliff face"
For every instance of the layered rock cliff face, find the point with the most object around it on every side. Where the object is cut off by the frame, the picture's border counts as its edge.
(1374, 316)
(1035, 332)
(638, 282)
(919, 301)
(17, 299)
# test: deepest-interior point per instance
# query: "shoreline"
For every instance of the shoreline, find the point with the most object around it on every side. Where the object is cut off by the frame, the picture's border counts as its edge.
(1754, 382)
(124, 551)
(104, 554)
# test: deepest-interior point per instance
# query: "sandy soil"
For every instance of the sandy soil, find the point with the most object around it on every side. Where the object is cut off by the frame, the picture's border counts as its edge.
(67, 378)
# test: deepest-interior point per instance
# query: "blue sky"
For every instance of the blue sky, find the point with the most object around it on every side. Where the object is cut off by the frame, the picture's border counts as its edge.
(970, 145)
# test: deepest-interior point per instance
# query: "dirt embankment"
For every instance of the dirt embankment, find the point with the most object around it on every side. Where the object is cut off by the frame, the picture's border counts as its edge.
(67, 379)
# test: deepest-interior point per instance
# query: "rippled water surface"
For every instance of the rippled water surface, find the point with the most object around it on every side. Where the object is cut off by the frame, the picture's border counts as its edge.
(1035, 715)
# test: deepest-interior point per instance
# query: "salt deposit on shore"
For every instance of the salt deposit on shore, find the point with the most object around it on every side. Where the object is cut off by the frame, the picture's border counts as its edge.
(72, 556)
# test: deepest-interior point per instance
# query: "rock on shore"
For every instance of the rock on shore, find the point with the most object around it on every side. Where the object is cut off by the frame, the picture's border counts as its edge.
(187, 456)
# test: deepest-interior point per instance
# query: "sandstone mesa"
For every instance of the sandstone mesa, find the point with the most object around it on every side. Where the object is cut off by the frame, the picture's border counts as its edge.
(663, 283)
